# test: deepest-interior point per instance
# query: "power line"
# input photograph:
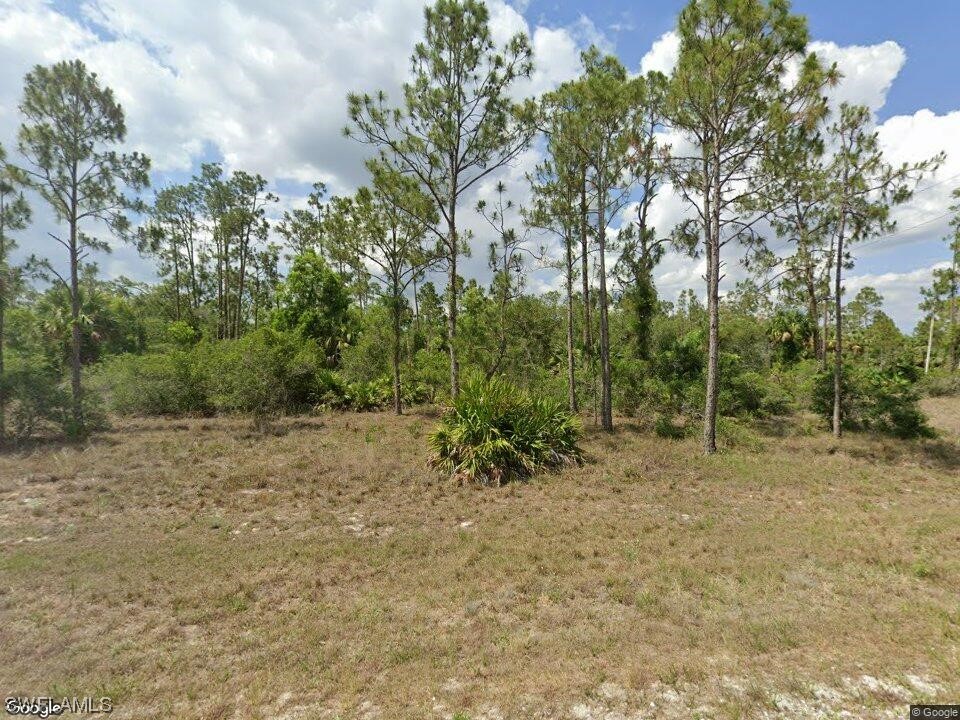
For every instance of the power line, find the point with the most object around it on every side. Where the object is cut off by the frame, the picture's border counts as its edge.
(939, 182)
(900, 233)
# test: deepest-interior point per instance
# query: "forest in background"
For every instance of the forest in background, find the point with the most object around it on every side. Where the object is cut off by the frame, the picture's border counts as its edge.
(357, 302)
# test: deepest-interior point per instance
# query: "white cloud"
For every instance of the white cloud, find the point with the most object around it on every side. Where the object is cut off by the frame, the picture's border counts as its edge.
(265, 87)
(262, 86)
(663, 54)
(912, 138)
(900, 291)
(867, 70)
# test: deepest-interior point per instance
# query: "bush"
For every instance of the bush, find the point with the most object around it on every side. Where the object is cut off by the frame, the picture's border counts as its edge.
(496, 432)
(795, 383)
(180, 334)
(665, 427)
(740, 393)
(874, 400)
(161, 384)
(367, 396)
(39, 402)
(431, 368)
(940, 383)
(264, 372)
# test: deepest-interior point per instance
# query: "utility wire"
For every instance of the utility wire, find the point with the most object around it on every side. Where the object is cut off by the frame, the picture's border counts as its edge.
(899, 233)
(936, 184)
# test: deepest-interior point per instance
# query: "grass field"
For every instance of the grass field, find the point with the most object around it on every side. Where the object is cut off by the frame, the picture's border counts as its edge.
(198, 569)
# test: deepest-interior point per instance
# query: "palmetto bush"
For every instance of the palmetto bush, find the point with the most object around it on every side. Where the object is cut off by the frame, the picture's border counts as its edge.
(495, 432)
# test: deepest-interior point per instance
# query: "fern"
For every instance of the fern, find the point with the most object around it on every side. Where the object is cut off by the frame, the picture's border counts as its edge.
(495, 433)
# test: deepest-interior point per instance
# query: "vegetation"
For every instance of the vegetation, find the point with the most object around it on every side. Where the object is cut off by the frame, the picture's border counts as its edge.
(249, 488)
(325, 560)
(335, 305)
(495, 432)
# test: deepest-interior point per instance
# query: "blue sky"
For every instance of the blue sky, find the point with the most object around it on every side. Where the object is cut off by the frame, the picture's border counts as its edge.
(926, 29)
(262, 87)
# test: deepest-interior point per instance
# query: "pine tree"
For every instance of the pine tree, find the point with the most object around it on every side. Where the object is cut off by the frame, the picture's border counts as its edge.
(70, 123)
(457, 125)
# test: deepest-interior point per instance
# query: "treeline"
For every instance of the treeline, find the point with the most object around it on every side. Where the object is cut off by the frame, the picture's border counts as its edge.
(335, 305)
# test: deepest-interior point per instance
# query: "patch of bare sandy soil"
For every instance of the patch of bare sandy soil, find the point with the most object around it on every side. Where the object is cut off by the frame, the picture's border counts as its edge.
(198, 569)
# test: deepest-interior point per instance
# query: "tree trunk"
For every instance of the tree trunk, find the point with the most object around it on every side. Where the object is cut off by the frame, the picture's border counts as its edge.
(585, 269)
(244, 245)
(571, 360)
(606, 400)
(813, 311)
(713, 347)
(397, 406)
(838, 329)
(452, 304)
(926, 361)
(953, 313)
(75, 388)
(712, 239)
(826, 306)
(220, 249)
(194, 289)
(416, 304)
(176, 275)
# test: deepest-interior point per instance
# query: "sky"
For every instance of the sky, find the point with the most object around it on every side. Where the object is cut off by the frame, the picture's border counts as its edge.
(262, 87)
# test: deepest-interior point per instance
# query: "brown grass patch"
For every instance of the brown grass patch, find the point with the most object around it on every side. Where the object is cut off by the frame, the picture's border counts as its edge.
(195, 569)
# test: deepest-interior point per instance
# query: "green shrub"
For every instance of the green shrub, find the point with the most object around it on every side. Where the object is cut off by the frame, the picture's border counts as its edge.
(414, 393)
(736, 433)
(39, 402)
(159, 384)
(740, 393)
(795, 383)
(264, 372)
(367, 396)
(331, 391)
(939, 383)
(874, 400)
(665, 427)
(180, 334)
(431, 368)
(496, 432)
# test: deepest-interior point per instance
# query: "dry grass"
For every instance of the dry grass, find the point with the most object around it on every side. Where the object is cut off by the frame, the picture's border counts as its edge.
(944, 413)
(195, 569)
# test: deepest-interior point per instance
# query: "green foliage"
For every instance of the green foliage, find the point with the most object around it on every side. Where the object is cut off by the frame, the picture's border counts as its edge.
(451, 158)
(496, 432)
(366, 396)
(874, 400)
(37, 400)
(940, 383)
(431, 370)
(793, 384)
(314, 302)
(368, 356)
(181, 334)
(790, 332)
(169, 383)
(109, 323)
(40, 404)
(665, 427)
(736, 433)
(264, 372)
